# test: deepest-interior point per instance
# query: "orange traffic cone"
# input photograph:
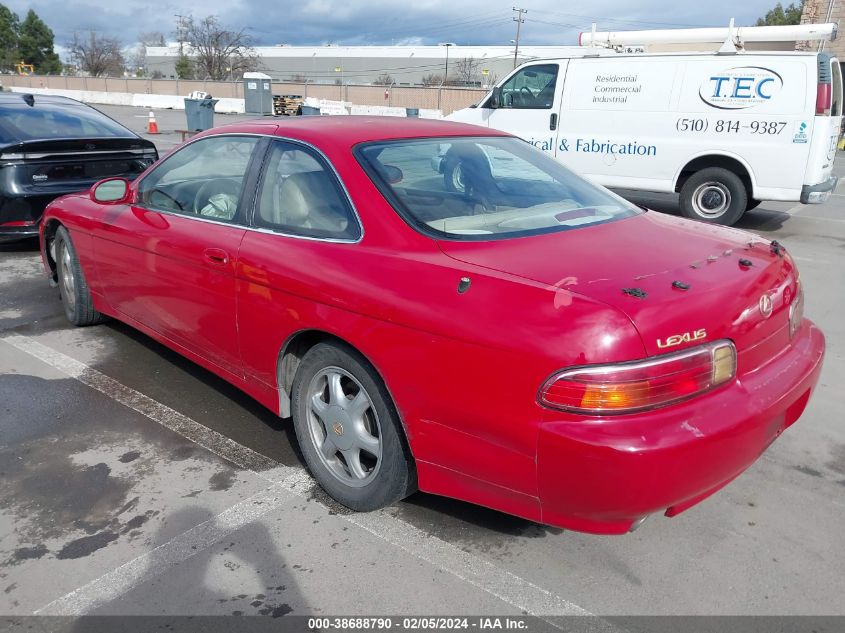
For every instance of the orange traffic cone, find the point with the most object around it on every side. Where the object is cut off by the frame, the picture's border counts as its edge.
(152, 126)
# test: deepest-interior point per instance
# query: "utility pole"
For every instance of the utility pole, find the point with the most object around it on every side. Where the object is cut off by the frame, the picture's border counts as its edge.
(180, 32)
(446, 72)
(519, 21)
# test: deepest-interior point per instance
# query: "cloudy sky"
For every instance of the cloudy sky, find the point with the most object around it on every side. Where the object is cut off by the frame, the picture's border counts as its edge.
(382, 22)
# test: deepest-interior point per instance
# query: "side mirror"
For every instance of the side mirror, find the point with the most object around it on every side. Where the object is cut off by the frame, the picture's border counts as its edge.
(110, 191)
(496, 98)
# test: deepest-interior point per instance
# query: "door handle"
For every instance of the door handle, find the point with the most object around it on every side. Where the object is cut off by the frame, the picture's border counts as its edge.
(553, 122)
(216, 256)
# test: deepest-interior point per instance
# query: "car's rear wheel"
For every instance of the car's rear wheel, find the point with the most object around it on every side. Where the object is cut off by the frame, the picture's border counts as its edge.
(714, 195)
(453, 176)
(348, 429)
(73, 289)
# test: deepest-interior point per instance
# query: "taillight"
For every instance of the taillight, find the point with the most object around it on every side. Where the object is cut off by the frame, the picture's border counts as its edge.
(824, 98)
(640, 385)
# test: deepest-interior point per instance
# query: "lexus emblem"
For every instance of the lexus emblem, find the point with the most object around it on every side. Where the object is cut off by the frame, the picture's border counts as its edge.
(337, 427)
(766, 306)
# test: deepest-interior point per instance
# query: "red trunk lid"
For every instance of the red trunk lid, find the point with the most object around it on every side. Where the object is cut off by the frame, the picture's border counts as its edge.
(640, 265)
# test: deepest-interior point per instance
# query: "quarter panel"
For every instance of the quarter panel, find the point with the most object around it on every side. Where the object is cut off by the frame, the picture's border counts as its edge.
(463, 369)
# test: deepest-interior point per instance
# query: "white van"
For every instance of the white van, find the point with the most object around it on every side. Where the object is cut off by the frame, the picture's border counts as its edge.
(726, 131)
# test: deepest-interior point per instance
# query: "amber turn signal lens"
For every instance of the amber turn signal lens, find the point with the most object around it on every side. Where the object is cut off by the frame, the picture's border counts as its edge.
(724, 364)
(796, 311)
(641, 385)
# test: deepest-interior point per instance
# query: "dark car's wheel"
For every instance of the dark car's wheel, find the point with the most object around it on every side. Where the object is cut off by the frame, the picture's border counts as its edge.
(714, 195)
(349, 431)
(76, 297)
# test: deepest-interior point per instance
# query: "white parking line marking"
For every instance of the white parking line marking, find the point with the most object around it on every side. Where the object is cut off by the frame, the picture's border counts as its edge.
(502, 584)
(121, 580)
(213, 441)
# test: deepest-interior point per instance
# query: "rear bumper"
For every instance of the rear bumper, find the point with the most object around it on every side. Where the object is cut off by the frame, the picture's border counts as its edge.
(816, 194)
(13, 233)
(19, 216)
(604, 475)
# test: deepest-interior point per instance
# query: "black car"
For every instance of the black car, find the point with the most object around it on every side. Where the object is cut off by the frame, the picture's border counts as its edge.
(51, 146)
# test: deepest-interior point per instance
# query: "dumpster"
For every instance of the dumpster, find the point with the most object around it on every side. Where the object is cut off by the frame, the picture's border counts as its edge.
(309, 111)
(200, 113)
(412, 113)
(258, 93)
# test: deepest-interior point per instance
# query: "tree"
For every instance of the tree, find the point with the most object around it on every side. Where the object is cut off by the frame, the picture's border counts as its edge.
(490, 80)
(384, 79)
(9, 26)
(466, 71)
(97, 55)
(432, 79)
(218, 53)
(184, 67)
(780, 16)
(35, 45)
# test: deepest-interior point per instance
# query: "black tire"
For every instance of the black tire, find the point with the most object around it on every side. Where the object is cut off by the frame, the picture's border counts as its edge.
(753, 203)
(394, 477)
(715, 195)
(452, 176)
(73, 289)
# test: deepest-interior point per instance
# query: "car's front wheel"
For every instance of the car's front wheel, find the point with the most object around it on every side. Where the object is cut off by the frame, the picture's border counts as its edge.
(73, 289)
(349, 431)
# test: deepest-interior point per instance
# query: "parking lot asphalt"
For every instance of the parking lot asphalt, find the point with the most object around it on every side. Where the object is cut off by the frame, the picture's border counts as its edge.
(134, 482)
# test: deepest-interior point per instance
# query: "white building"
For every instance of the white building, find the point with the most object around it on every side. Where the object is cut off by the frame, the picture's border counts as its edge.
(406, 65)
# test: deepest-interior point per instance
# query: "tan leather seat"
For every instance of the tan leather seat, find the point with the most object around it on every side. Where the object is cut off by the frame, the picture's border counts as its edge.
(307, 200)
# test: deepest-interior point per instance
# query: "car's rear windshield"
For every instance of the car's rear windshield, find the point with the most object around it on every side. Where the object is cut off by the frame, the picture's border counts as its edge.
(482, 188)
(46, 121)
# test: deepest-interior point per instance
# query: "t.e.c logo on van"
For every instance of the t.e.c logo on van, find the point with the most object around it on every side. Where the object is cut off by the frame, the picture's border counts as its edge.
(738, 88)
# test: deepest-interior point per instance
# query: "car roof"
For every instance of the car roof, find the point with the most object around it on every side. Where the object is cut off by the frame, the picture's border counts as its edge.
(26, 117)
(39, 99)
(350, 130)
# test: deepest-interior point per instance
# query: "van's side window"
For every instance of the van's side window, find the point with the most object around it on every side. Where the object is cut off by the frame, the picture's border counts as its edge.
(532, 88)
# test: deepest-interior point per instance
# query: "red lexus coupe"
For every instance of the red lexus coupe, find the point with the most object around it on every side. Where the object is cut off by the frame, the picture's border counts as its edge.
(532, 342)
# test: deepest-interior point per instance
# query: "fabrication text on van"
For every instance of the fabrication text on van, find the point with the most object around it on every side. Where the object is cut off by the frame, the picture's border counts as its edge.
(592, 146)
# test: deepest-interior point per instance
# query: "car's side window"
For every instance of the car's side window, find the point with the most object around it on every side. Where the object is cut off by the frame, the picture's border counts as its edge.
(299, 195)
(532, 88)
(205, 178)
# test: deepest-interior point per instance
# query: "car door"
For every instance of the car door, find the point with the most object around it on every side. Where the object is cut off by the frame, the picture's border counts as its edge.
(295, 263)
(529, 104)
(167, 261)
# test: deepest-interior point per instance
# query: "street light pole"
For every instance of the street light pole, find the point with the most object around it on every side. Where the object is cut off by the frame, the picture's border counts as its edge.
(446, 72)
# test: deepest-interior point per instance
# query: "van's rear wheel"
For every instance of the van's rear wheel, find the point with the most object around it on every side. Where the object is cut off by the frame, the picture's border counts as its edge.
(453, 176)
(714, 195)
